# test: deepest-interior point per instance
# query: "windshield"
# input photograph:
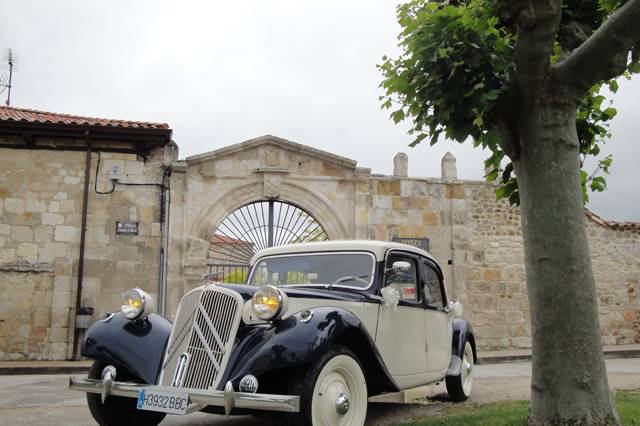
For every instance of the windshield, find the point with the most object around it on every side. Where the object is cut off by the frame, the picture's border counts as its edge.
(352, 270)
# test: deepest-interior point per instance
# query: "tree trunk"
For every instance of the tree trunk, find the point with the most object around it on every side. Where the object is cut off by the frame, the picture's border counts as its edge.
(569, 380)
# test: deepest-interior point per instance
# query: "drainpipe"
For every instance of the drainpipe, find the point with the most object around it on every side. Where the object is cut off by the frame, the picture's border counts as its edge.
(164, 240)
(83, 229)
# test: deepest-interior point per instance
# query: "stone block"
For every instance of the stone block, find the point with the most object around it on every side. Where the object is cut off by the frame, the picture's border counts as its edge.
(72, 180)
(60, 196)
(630, 315)
(50, 251)
(454, 192)
(514, 317)
(155, 229)
(52, 219)
(400, 203)
(5, 229)
(362, 186)
(491, 274)
(59, 317)
(418, 203)
(58, 334)
(54, 206)
(61, 299)
(41, 316)
(28, 252)
(146, 214)
(14, 205)
(381, 202)
(66, 233)
(67, 206)
(430, 218)
(388, 187)
(43, 234)
(57, 351)
(7, 256)
(22, 234)
(62, 284)
(35, 206)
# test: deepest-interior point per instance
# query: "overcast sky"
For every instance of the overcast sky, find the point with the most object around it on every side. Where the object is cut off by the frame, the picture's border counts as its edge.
(221, 72)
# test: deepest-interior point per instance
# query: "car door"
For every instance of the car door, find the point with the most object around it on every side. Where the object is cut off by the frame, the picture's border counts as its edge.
(437, 324)
(401, 336)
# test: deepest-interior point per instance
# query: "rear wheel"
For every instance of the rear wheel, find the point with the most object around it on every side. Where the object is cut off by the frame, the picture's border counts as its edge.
(459, 387)
(118, 410)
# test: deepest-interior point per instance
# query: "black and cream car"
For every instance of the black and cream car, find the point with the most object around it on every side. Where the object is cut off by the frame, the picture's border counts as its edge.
(316, 330)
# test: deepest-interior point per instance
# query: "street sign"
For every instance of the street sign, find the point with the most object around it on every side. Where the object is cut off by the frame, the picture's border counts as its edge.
(421, 243)
(127, 228)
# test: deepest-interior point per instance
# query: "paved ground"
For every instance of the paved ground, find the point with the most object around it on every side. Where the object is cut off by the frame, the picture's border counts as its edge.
(44, 399)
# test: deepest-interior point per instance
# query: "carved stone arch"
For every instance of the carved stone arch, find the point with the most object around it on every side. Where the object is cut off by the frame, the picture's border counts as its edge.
(308, 199)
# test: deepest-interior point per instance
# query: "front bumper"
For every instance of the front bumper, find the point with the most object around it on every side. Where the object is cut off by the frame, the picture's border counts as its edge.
(198, 398)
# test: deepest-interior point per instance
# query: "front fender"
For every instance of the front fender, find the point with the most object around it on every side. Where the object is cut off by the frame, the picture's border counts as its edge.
(291, 342)
(136, 346)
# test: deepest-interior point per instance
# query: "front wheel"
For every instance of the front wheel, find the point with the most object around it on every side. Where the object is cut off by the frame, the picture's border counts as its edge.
(335, 390)
(459, 387)
(118, 410)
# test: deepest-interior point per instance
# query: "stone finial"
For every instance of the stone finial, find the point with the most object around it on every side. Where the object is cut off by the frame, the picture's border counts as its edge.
(401, 165)
(449, 171)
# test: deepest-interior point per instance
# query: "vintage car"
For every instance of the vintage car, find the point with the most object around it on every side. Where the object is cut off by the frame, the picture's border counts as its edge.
(316, 330)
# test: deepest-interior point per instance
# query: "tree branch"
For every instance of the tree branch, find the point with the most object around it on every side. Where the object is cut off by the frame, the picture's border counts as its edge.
(538, 22)
(605, 54)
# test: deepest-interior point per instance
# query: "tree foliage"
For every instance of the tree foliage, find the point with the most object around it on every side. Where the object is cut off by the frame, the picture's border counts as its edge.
(456, 77)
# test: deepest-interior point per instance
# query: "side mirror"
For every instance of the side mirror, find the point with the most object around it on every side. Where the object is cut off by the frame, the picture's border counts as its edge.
(400, 266)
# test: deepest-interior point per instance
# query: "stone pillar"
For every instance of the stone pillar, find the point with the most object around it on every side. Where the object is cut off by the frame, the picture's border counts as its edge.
(401, 165)
(449, 171)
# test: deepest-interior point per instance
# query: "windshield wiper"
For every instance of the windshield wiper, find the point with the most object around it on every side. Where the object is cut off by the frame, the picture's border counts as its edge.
(347, 278)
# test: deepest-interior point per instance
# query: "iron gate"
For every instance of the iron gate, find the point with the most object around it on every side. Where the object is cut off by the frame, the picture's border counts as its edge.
(253, 227)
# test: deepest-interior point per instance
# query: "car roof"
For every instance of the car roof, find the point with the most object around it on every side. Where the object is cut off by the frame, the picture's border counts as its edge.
(378, 248)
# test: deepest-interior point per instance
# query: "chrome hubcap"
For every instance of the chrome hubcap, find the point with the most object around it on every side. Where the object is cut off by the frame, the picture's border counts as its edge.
(342, 404)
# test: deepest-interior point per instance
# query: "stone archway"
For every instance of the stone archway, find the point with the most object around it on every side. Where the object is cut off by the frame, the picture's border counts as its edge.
(197, 240)
(253, 227)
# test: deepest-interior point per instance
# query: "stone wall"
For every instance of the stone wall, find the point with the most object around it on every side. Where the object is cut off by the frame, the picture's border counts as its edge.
(40, 217)
(476, 239)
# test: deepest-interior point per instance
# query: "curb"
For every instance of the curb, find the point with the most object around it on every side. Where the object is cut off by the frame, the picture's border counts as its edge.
(82, 367)
(500, 359)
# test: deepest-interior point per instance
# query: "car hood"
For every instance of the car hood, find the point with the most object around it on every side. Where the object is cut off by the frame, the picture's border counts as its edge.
(247, 291)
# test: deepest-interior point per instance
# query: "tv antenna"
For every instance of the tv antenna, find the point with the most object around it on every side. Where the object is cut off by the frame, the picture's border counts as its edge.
(9, 62)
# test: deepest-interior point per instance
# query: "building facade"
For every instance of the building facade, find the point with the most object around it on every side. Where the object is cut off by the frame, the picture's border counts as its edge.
(194, 214)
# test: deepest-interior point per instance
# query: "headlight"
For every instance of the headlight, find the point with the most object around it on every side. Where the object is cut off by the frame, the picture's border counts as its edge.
(136, 304)
(269, 302)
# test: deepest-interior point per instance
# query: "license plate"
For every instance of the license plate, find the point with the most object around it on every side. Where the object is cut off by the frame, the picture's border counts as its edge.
(163, 401)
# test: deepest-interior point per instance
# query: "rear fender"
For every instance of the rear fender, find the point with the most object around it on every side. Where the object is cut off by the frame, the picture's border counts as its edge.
(136, 346)
(462, 332)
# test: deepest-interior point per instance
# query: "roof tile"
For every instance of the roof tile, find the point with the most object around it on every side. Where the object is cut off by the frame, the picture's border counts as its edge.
(33, 116)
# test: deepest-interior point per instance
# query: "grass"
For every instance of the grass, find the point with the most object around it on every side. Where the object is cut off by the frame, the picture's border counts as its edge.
(514, 413)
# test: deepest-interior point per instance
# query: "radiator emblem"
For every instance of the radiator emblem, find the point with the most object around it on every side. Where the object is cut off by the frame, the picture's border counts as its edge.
(249, 383)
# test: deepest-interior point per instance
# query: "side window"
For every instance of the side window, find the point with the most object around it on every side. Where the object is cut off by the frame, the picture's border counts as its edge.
(432, 288)
(401, 275)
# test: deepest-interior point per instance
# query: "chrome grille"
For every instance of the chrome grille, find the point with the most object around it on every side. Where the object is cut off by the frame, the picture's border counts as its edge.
(205, 330)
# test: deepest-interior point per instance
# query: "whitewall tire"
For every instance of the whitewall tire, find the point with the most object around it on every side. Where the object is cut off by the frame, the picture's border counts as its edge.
(460, 387)
(335, 390)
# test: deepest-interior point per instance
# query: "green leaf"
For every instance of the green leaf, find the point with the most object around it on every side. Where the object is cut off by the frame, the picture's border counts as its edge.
(609, 113)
